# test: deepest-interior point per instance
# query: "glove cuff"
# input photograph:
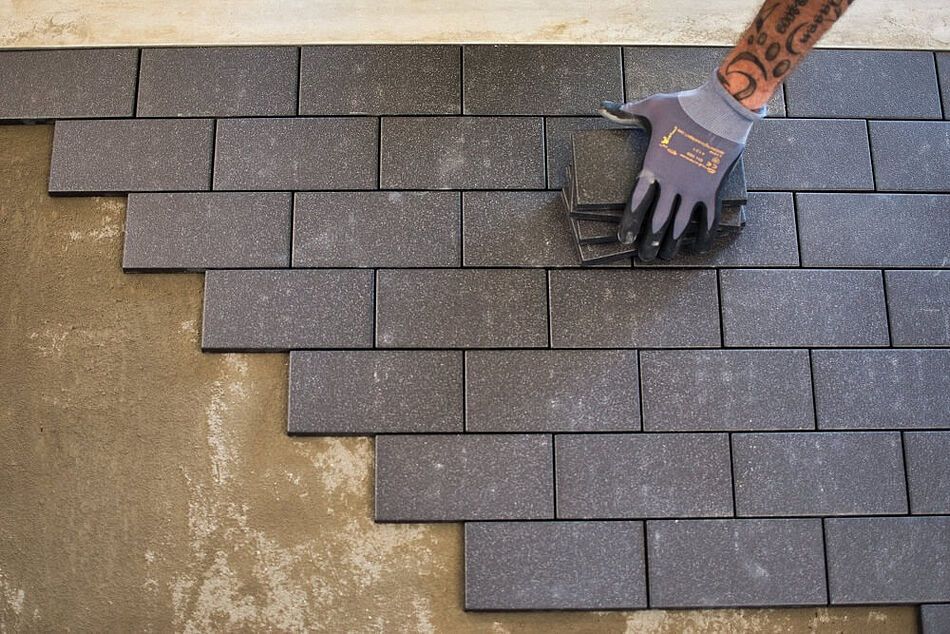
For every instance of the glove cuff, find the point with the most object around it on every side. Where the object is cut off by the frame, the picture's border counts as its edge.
(712, 107)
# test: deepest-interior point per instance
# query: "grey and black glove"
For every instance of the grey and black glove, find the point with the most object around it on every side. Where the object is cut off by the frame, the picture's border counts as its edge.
(695, 138)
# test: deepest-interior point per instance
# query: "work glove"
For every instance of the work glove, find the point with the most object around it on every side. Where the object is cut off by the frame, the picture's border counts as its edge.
(696, 136)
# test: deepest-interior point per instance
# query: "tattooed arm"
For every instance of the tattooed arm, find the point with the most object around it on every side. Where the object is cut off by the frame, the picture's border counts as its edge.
(777, 40)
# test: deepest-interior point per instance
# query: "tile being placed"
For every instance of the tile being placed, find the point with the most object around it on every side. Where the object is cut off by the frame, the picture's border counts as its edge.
(809, 154)
(882, 389)
(874, 230)
(726, 390)
(461, 308)
(286, 309)
(888, 559)
(65, 84)
(557, 135)
(603, 476)
(462, 153)
(634, 308)
(456, 477)
(559, 80)
(919, 307)
(207, 230)
(865, 84)
(818, 473)
(807, 308)
(375, 392)
(375, 229)
(379, 80)
(551, 390)
(735, 563)
(296, 153)
(225, 81)
(911, 155)
(659, 69)
(554, 566)
(928, 471)
(131, 156)
(935, 618)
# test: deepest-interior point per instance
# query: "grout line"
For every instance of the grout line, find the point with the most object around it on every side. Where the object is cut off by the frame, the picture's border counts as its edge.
(943, 106)
(887, 310)
(464, 392)
(299, 78)
(722, 321)
(646, 562)
(293, 217)
(867, 128)
(554, 469)
(375, 306)
(627, 519)
(138, 77)
(814, 394)
(214, 152)
(798, 232)
(640, 388)
(906, 474)
(462, 79)
(544, 152)
(379, 153)
(461, 207)
(691, 431)
(732, 477)
(824, 552)
(547, 279)
(623, 75)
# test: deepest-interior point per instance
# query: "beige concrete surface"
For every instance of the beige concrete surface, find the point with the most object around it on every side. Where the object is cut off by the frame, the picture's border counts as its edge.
(28, 23)
(145, 486)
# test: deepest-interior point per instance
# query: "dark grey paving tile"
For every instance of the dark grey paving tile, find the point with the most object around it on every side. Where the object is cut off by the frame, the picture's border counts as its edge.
(284, 309)
(911, 155)
(726, 390)
(865, 84)
(375, 392)
(330, 153)
(875, 230)
(551, 390)
(502, 79)
(642, 475)
(557, 134)
(882, 389)
(928, 471)
(935, 618)
(207, 230)
(594, 231)
(768, 239)
(375, 229)
(224, 81)
(554, 566)
(462, 153)
(455, 477)
(63, 84)
(657, 69)
(795, 307)
(888, 559)
(919, 307)
(131, 156)
(803, 154)
(379, 80)
(943, 75)
(735, 563)
(819, 473)
(461, 308)
(634, 308)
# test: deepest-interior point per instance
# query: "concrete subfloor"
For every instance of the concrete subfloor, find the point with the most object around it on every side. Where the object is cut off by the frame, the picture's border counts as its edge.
(147, 486)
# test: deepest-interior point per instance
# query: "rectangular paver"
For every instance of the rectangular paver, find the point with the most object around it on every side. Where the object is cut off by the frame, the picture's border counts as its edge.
(375, 392)
(634, 308)
(296, 153)
(376, 229)
(131, 156)
(819, 473)
(726, 390)
(224, 81)
(623, 476)
(207, 230)
(735, 563)
(379, 80)
(448, 478)
(284, 309)
(551, 390)
(928, 471)
(554, 566)
(809, 154)
(918, 304)
(67, 84)
(865, 84)
(561, 80)
(794, 307)
(462, 153)
(888, 559)
(461, 308)
(882, 389)
(875, 230)
(911, 155)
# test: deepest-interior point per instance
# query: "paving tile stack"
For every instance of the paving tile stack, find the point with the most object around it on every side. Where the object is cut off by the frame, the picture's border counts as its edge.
(397, 225)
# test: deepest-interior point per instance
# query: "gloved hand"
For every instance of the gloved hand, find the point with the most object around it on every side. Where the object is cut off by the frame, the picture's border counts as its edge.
(695, 138)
